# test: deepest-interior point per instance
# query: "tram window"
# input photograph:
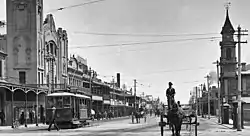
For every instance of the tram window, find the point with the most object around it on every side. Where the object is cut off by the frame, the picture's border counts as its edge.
(50, 102)
(80, 101)
(66, 102)
(59, 102)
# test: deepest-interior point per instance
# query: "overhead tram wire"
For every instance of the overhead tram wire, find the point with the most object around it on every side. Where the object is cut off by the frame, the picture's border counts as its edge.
(77, 5)
(197, 81)
(171, 71)
(150, 42)
(178, 70)
(143, 35)
(159, 72)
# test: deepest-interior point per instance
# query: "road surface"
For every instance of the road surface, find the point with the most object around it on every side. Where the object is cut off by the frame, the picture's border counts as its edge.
(126, 128)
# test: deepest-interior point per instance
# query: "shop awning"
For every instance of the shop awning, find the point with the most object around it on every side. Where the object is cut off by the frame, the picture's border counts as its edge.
(69, 94)
(106, 102)
(96, 98)
(82, 96)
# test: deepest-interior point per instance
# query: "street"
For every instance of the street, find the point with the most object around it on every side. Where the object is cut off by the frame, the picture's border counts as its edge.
(126, 128)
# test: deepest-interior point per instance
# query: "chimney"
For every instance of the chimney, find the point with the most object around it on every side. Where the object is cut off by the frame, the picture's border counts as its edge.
(243, 66)
(118, 79)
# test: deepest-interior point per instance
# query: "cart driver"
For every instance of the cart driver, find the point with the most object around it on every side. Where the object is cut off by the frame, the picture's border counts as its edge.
(170, 93)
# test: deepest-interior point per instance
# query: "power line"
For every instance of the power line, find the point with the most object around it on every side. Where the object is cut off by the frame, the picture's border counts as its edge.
(151, 42)
(178, 70)
(187, 82)
(77, 5)
(170, 71)
(142, 35)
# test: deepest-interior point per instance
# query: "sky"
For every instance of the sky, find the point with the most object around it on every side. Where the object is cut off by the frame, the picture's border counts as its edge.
(184, 63)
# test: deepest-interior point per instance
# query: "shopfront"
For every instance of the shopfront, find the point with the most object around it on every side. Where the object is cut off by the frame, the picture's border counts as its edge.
(97, 104)
(20, 103)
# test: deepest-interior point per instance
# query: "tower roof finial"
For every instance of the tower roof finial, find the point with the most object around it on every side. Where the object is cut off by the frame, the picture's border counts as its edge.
(227, 5)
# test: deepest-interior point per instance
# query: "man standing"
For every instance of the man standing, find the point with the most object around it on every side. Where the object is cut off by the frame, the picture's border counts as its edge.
(170, 93)
(42, 118)
(53, 120)
(2, 117)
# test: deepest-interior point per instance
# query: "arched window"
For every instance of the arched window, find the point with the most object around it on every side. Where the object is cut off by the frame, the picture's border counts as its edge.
(51, 48)
(228, 53)
(47, 47)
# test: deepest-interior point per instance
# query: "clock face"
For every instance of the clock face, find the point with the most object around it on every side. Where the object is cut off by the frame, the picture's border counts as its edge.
(227, 37)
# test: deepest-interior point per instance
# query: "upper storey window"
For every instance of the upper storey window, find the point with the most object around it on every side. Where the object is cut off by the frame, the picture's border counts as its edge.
(51, 49)
(228, 53)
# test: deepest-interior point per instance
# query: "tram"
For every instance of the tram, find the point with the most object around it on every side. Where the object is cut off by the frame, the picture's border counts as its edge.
(71, 109)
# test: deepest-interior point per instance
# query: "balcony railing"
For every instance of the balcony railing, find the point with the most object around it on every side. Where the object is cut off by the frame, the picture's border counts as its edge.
(78, 89)
(46, 86)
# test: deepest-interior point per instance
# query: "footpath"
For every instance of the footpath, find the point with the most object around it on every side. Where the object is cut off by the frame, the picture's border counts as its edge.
(229, 126)
(41, 126)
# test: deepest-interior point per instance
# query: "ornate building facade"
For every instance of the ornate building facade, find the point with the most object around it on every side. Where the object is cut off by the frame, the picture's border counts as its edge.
(53, 55)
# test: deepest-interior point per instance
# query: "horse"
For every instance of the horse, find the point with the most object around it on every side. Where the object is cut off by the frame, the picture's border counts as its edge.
(137, 116)
(175, 117)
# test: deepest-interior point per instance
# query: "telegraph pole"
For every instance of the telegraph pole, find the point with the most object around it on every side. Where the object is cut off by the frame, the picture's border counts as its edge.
(218, 83)
(124, 99)
(90, 87)
(239, 127)
(113, 96)
(135, 93)
(200, 100)
(208, 96)
(196, 97)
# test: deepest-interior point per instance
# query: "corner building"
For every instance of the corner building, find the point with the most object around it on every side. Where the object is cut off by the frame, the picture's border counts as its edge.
(36, 59)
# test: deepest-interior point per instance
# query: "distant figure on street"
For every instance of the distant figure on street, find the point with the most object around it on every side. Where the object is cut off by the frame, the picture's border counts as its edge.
(170, 93)
(31, 116)
(179, 104)
(105, 115)
(22, 119)
(92, 114)
(53, 120)
(42, 118)
(180, 108)
(150, 112)
(2, 117)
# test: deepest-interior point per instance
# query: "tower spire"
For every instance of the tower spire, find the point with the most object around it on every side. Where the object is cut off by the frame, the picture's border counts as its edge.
(228, 27)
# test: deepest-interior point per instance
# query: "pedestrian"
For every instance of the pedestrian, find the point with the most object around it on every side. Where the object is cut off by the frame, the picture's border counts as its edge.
(22, 120)
(53, 120)
(42, 117)
(31, 116)
(105, 115)
(2, 117)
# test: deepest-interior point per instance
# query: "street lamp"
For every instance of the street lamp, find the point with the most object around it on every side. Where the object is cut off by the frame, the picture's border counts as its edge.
(219, 98)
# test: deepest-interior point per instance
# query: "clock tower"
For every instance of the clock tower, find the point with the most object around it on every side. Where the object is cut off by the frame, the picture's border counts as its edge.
(228, 61)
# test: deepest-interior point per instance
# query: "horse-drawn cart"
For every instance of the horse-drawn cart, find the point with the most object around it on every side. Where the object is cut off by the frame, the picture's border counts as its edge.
(189, 121)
